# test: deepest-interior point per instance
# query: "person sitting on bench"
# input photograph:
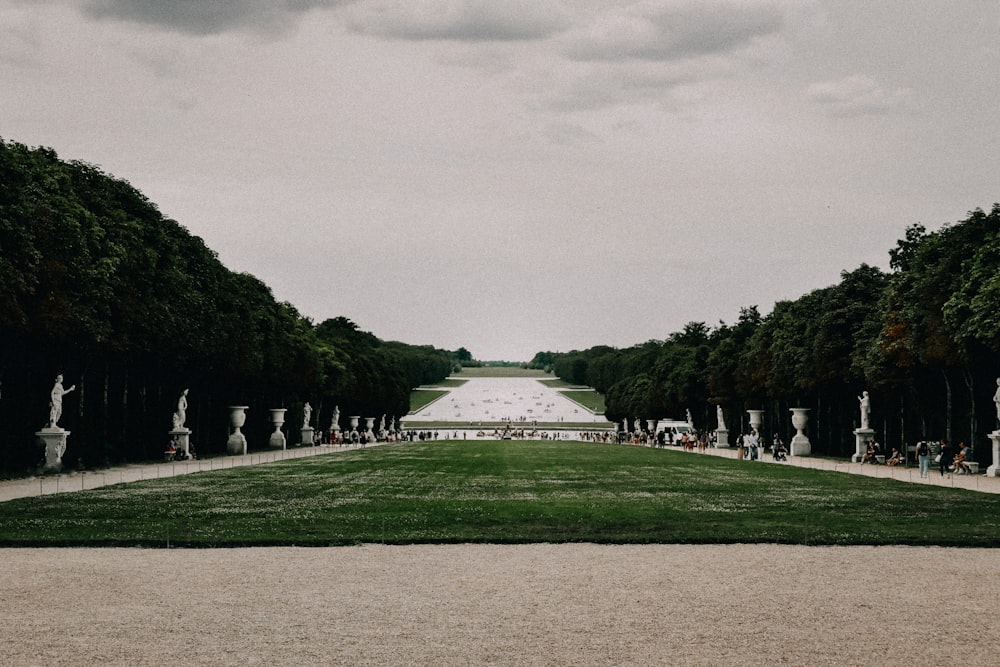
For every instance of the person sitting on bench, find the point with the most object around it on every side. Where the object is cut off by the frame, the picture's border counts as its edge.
(894, 458)
(960, 459)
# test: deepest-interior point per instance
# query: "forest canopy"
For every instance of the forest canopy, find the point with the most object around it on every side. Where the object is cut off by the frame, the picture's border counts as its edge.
(923, 339)
(97, 285)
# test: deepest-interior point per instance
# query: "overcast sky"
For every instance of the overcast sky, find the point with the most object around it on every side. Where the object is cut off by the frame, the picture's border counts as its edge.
(524, 175)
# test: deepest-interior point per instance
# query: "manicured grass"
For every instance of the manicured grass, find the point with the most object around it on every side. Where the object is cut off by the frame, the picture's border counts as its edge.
(592, 400)
(506, 492)
(450, 382)
(421, 397)
(556, 383)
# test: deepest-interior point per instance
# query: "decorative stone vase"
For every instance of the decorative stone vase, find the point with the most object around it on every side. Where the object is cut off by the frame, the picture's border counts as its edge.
(277, 439)
(237, 443)
(800, 445)
(756, 421)
(354, 423)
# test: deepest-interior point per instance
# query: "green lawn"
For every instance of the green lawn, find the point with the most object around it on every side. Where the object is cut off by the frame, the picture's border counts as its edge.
(588, 399)
(421, 397)
(506, 492)
(450, 382)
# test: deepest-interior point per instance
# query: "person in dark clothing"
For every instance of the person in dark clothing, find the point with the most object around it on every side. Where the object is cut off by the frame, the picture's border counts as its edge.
(946, 457)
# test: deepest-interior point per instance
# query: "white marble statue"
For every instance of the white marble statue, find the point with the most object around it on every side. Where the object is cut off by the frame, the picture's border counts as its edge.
(55, 401)
(996, 400)
(181, 415)
(307, 412)
(720, 418)
(866, 409)
(335, 422)
(690, 420)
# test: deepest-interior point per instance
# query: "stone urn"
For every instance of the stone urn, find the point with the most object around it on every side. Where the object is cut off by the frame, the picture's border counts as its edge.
(237, 443)
(277, 439)
(800, 445)
(354, 423)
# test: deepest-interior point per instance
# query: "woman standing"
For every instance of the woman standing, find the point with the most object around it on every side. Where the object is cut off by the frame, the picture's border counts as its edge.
(944, 459)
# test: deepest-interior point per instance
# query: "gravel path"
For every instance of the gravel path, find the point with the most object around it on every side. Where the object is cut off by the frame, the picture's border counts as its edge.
(501, 605)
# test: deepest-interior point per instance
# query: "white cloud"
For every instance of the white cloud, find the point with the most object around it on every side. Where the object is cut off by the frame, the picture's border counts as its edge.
(206, 17)
(671, 30)
(459, 20)
(856, 95)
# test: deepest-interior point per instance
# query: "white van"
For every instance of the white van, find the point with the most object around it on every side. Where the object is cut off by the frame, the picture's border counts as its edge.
(676, 427)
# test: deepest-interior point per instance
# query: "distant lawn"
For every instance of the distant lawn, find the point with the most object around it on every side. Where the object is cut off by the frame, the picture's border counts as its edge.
(450, 382)
(588, 399)
(421, 397)
(506, 492)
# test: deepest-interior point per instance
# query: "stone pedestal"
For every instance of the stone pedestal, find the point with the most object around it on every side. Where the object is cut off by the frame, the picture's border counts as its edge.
(800, 445)
(54, 439)
(182, 440)
(237, 443)
(862, 436)
(307, 433)
(722, 438)
(994, 470)
(277, 439)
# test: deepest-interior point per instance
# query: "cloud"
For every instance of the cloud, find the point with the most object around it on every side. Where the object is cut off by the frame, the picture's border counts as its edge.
(207, 17)
(855, 95)
(671, 30)
(459, 20)
(616, 85)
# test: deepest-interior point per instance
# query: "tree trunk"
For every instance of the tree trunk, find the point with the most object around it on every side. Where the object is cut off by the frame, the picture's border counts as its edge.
(947, 407)
(970, 382)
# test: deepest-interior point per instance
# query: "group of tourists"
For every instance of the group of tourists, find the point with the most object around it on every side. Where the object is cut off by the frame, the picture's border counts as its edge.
(948, 459)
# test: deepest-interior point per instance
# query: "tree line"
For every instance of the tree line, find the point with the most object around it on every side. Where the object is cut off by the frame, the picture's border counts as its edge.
(923, 339)
(96, 284)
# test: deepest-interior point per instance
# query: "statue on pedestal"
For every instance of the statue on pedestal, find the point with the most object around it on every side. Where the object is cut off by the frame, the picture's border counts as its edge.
(996, 401)
(335, 422)
(307, 412)
(720, 418)
(181, 415)
(866, 408)
(55, 401)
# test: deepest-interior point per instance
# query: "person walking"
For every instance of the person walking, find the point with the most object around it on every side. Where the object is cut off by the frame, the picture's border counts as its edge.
(924, 458)
(945, 457)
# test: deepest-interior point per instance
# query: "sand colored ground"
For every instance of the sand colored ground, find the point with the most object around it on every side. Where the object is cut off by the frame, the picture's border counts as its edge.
(501, 605)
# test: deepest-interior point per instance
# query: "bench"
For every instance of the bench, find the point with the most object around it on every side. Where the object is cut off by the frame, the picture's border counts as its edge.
(973, 468)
